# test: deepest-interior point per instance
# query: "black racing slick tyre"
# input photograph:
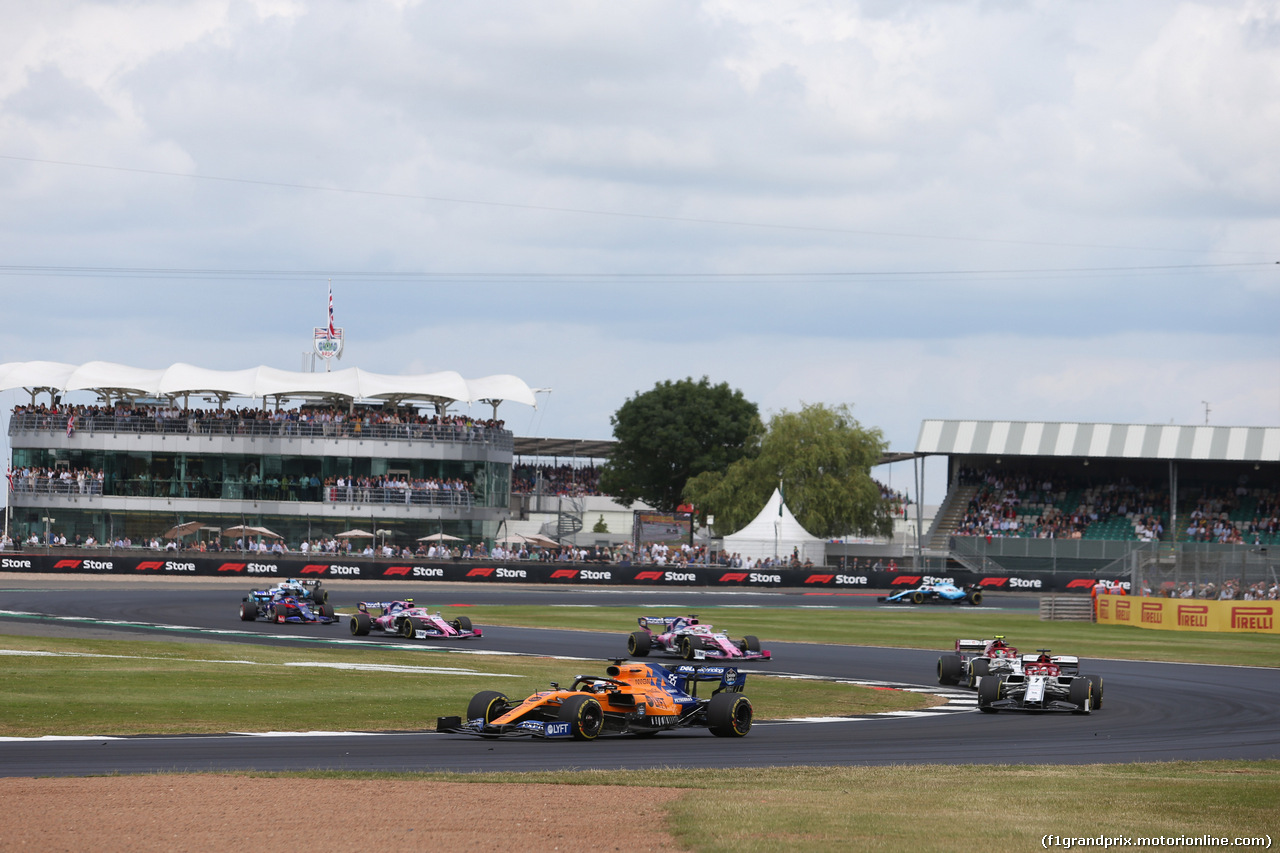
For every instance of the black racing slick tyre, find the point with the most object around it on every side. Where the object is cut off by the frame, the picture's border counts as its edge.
(917, 597)
(975, 597)
(407, 627)
(326, 611)
(1096, 680)
(639, 643)
(978, 668)
(950, 668)
(729, 715)
(584, 716)
(988, 692)
(1080, 694)
(248, 611)
(487, 705)
(750, 643)
(360, 624)
(462, 623)
(686, 648)
(318, 595)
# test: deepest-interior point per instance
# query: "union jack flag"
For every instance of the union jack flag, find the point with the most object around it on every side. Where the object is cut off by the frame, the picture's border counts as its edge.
(333, 332)
(71, 425)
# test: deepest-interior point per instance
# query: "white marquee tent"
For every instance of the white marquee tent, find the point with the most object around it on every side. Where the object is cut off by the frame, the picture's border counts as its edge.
(776, 533)
(117, 380)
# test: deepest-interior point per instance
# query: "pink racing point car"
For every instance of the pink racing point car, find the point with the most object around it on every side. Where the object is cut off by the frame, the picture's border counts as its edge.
(413, 623)
(690, 639)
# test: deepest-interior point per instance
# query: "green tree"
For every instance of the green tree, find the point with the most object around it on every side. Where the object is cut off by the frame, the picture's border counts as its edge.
(822, 458)
(673, 432)
(601, 526)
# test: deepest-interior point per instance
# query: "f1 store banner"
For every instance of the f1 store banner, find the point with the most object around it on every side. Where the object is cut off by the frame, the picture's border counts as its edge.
(816, 581)
(1190, 614)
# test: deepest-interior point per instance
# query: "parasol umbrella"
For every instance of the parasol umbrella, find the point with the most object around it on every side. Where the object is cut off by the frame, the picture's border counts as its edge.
(439, 537)
(183, 530)
(354, 534)
(262, 531)
(544, 541)
(514, 539)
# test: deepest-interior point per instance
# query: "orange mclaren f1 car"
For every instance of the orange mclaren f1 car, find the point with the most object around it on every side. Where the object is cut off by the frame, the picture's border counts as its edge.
(635, 698)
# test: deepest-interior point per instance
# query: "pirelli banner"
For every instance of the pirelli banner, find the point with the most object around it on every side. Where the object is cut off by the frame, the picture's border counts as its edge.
(1183, 614)
(818, 581)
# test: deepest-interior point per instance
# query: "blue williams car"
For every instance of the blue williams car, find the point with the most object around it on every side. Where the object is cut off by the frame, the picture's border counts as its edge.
(935, 592)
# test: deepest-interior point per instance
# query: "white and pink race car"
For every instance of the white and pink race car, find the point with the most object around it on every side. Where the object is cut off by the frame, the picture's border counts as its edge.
(690, 639)
(413, 623)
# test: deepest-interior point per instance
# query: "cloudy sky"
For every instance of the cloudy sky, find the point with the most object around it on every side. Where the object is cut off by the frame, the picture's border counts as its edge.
(952, 209)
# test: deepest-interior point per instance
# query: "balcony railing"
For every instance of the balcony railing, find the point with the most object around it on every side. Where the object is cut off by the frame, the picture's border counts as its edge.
(21, 487)
(496, 438)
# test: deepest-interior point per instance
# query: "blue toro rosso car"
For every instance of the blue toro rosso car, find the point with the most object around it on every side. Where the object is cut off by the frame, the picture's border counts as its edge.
(279, 607)
(936, 592)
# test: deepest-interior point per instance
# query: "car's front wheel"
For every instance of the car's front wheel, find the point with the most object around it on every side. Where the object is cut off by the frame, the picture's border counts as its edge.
(686, 648)
(248, 611)
(978, 668)
(988, 692)
(584, 715)
(487, 705)
(408, 628)
(1080, 694)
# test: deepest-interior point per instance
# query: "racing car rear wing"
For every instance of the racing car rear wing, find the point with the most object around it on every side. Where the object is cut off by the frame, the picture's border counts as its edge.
(686, 677)
(666, 621)
(363, 606)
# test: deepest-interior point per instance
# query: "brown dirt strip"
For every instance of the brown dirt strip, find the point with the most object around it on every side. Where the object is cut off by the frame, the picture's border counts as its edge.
(214, 812)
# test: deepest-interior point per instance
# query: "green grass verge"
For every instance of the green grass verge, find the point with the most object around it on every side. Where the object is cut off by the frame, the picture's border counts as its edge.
(927, 808)
(919, 628)
(188, 688)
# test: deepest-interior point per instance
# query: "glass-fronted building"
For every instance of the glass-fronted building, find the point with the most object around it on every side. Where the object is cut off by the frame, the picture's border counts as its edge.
(138, 463)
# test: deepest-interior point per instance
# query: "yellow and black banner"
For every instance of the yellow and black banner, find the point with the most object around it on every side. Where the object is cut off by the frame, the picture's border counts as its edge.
(1190, 614)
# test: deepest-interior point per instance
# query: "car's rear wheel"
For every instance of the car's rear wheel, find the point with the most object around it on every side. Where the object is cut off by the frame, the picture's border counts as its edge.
(639, 643)
(975, 597)
(978, 668)
(989, 691)
(487, 705)
(407, 627)
(917, 597)
(1097, 690)
(729, 715)
(750, 643)
(360, 624)
(1080, 694)
(686, 648)
(248, 611)
(584, 716)
(950, 668)
(318, 595)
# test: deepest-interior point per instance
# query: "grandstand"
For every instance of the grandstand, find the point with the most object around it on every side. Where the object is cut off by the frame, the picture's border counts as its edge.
(1148, 501)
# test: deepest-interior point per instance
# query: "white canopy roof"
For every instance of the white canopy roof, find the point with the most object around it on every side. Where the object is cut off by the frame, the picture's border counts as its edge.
(180, 379)
(775, 533)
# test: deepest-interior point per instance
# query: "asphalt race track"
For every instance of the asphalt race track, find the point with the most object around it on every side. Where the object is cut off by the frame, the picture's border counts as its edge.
(1152, 711)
